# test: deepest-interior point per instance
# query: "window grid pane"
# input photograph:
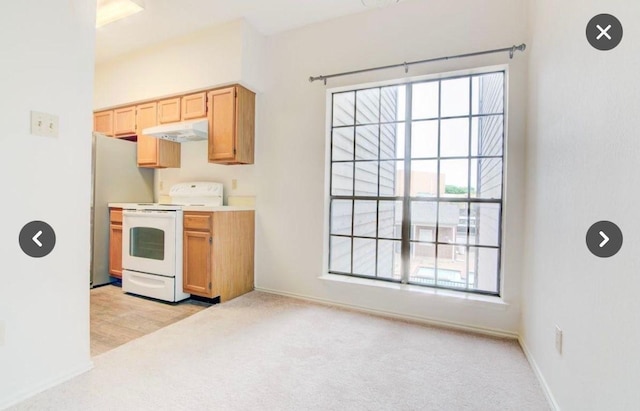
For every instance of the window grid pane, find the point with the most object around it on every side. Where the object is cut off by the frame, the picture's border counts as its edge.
(453, 129)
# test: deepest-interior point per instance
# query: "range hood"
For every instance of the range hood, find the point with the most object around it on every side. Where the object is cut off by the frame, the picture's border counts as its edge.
(182, 132)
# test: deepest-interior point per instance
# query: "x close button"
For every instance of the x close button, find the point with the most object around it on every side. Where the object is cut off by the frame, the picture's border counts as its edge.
(604, 32)
(37, 239)
(604, 239)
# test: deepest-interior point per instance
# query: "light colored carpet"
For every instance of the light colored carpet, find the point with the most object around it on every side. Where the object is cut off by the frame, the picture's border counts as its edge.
(266, 352)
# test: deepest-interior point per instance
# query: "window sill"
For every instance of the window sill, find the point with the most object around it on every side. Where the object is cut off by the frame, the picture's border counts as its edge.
(451, 295)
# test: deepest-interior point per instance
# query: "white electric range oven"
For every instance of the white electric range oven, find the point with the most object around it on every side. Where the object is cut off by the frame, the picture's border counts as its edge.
(152, 241)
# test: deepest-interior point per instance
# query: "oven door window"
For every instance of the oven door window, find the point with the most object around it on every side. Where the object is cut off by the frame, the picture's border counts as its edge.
(146, 242)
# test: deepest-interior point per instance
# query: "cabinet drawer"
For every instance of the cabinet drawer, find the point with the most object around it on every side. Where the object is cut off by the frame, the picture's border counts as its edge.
(115, 216)
(197, 221)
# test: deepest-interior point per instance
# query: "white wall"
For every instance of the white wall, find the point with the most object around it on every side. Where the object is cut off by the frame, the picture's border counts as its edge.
(47, 65)
(249, 54)
(199, 60)
(582, 167)
(231, 53)
(290, 176)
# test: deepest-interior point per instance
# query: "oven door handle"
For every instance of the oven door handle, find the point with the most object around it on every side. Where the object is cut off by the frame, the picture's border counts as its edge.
(146, 282)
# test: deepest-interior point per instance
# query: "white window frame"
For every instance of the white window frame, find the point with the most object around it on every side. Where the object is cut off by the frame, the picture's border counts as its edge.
(503, 201)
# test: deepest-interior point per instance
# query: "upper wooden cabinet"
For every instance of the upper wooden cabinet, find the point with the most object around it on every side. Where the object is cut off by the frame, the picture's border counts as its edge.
(230, 112)
(194, 106)
(169, 110)
(124, 121)
(147, 146)
(103, 122)
(231, 115)
(154, 152)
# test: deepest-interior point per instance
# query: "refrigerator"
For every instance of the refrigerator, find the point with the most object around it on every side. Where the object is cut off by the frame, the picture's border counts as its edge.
(116, 178)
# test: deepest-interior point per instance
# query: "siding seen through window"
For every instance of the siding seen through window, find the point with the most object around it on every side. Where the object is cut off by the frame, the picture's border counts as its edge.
(416, 191)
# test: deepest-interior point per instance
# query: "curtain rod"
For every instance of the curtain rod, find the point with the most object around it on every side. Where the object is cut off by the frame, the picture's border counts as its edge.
(406, 65)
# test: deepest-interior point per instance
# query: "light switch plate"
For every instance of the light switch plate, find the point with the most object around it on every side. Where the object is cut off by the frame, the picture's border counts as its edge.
(37, 123)
(52, 125)
(558, 340)
(44, 124)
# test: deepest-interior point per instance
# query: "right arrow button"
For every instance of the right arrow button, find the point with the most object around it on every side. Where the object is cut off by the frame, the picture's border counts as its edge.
(604, 239)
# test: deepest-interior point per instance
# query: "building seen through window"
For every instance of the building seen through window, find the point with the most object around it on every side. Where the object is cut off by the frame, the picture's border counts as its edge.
(417, 182)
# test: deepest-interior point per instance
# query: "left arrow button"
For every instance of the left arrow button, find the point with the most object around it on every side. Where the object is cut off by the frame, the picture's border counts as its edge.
(37, 239)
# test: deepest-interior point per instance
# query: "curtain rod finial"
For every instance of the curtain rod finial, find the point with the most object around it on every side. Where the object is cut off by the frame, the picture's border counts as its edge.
(323, 78)
(514, 48)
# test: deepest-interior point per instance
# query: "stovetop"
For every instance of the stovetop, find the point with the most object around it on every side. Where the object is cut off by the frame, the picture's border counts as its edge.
(181, 195)
(165, 206)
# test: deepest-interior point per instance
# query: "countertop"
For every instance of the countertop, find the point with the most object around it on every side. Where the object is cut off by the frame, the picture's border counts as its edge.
(218, 208)
(204, 209)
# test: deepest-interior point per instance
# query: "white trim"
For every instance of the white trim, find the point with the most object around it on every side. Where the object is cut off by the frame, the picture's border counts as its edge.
(45, 385)
(536, 371)
(472, 71)
(487, 301)
(400, 316)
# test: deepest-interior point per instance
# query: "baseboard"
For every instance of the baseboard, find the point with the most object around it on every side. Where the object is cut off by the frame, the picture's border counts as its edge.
(400, 316)
(50, 383)
(536, 370)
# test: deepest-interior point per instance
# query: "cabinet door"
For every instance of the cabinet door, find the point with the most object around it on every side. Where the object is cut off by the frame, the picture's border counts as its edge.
(245, 125)
(147, 146)
(124, 121)
(115, 250)
(222, 127)
(194, 106)
(103, 122)
(169, 110)
(197, 263)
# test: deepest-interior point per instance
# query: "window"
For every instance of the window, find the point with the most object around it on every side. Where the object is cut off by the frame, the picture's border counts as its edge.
(417, 182)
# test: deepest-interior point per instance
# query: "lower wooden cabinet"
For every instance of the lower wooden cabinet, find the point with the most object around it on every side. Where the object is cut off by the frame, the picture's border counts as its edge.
(115, 242)
(218, 253)
(197, 263)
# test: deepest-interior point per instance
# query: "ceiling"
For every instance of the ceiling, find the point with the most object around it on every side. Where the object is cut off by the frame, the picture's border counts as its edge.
(165, 19)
